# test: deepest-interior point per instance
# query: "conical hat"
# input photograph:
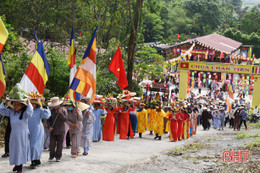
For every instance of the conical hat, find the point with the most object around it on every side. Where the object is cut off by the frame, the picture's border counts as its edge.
(83, 106)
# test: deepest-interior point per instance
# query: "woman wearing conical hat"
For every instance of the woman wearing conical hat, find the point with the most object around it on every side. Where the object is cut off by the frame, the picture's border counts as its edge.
(74, 121)
(19, 139)
(36, 128)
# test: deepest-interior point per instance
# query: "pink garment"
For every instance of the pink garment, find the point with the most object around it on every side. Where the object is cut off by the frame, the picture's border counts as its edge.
(66, 131)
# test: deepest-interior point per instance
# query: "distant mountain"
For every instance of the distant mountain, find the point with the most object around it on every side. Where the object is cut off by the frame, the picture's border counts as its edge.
(250, 3)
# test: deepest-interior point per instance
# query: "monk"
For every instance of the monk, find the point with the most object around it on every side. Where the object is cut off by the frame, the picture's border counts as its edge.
(141, 119)
(159, 123)
(151, 119)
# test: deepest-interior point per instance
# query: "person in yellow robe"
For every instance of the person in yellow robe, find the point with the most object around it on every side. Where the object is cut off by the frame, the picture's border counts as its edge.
(141, 119)
(168, 122)
(151, 119)
(159, 123)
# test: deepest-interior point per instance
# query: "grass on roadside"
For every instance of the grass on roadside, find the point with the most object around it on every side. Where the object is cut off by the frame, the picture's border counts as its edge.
(257, 125)
(253, 144)
(246, 135)
(190, 147)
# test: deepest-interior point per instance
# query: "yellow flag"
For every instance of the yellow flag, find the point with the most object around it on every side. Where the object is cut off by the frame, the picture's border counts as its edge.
(3, 35)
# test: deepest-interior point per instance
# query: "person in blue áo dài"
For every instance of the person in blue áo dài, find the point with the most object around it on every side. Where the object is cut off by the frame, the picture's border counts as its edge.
(40, 111)
(19, 138)
(97, 133)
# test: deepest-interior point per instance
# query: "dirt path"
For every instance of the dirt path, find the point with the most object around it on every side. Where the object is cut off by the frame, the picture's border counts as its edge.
(201, 153)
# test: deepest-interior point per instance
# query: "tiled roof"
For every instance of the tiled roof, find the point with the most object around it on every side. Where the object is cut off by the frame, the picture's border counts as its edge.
(219, 42)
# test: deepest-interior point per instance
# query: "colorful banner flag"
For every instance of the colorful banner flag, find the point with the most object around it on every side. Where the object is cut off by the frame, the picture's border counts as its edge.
(256, 70)
(117, 67)
(72, 63)
(3, 35)
(84, 81)
(185, 53)
(229, 105)
(230, 90)
(72, 56)
(253, 61)
(37, 73)
(2, 77)
(206, 54)
(36, 38)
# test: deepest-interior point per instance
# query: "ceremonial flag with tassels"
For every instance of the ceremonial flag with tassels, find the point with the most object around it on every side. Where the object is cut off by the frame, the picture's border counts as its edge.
(72, 63)
(117, 67)
(253, 61)
(231, 58)
(229, 105)
(230, 90)
(36, 38)
(206, 54)
(3, 35)
(84, 81)
(37, 73)
(2, 77)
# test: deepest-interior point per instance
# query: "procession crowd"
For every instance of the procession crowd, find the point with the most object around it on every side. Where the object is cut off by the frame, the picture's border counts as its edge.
(34, 126)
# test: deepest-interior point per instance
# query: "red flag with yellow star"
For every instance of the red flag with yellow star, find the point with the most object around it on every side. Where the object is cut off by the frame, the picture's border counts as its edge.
(184, 65)
(117, 67)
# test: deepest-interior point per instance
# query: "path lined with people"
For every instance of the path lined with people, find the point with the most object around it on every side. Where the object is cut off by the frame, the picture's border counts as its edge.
(107, 156)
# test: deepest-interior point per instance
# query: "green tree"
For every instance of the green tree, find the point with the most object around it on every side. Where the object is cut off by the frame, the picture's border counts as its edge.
(210, 14)
(149, 64)
(153, 27)
(135, 19)
(250, 22)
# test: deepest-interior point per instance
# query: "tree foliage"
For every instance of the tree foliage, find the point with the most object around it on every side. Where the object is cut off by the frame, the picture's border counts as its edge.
(129, 23)
(149, 65)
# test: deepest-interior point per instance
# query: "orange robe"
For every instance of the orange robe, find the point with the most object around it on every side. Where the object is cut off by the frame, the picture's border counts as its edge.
(180, 118)
(173, 127)
(118, 121)
(109, 126)
(125, 125)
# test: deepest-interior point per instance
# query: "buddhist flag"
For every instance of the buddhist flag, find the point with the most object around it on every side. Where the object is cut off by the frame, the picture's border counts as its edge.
(36, 38)
(3, 35)
(72, 64)
(72, 56)
(84, 81)
(229, 105)
(2, 77)
(232, 58)
(117, 67)
(37, 73)
(206, 54)
(230, 90)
